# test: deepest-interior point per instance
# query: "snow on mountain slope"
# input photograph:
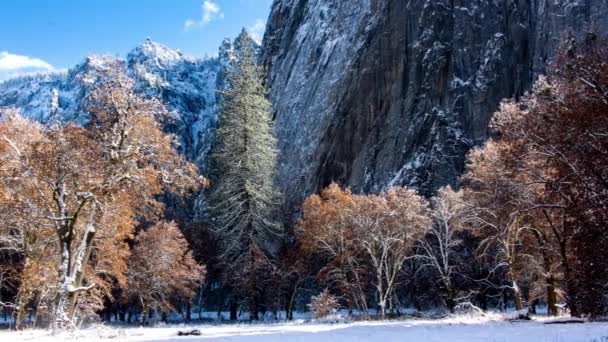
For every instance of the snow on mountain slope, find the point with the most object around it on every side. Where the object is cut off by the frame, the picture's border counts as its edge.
(37, 96)
(186, 85)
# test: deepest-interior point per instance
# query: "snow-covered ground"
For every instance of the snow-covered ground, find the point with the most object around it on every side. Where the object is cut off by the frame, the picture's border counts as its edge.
(459, 329)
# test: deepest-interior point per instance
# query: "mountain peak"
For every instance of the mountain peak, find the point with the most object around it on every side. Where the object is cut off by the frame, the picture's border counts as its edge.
(88, 69)
(99, 61)
(155, 52)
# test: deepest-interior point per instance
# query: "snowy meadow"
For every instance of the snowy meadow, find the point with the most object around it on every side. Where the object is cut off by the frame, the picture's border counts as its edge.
(166, 198)
(454, 329)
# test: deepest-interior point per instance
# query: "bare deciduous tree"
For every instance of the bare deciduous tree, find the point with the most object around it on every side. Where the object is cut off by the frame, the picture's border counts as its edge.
(440, 244)
(373, 231)
(325, 230)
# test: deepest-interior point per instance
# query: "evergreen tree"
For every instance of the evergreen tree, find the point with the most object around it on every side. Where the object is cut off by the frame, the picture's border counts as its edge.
(243, 200)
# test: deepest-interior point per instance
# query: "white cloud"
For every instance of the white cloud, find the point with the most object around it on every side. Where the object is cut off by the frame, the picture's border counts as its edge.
(190, 24)
(9, 61)
(12, 65)
(210, 12)
(256, 30)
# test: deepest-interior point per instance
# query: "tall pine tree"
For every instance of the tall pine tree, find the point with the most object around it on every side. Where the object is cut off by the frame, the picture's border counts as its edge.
(242, 199)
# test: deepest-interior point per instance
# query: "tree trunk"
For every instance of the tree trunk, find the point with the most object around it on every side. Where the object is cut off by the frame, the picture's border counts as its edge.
(550, 278)
(551, 296)
(21, 302)
(571, 286)
(19, 314)
(519, 303)
(288, 312)
(572, 291)
(82, 258)
(233, 310)
(289, 303)
(188, 312)
(450, 302)
(62, 318)
(532, 307)
(144, 315)
(71, 273)
(381, 296)
(253, 309)
(517, 296)
(382, 305)
(200, 304)
(483, 301)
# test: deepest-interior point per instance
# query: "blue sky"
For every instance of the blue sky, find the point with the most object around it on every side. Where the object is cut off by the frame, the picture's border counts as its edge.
(40, 35)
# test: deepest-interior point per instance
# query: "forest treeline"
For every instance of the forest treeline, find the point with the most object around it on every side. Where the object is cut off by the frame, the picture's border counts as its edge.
(87, 229)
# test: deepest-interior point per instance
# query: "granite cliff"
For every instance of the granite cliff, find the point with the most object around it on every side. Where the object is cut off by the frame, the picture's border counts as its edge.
(374, 93)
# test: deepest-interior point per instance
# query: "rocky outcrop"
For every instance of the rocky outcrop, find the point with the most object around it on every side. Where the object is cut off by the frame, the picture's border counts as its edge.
(374, 93)
(187, 86)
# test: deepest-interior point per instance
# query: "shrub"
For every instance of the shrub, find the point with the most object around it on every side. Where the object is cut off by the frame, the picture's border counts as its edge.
(323, 305)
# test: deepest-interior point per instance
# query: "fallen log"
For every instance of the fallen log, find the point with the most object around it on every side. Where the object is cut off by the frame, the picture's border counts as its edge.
(194, 332)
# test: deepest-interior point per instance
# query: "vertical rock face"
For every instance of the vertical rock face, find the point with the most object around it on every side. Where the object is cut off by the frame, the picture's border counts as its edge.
(374, 93)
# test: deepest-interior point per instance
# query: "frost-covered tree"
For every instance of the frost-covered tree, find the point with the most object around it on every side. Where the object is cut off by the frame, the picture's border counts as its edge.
(325, 232)
(84, 190)
(162, 270)
(560, 127)
(323, 304)
(387, 226)
(439, 247)
(495, 197)
(365, 239)
(242, 199)
(27, 267)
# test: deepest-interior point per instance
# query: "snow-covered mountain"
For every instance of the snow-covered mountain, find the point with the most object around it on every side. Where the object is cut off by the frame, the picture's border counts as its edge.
(368, 93)
(374, 93)
(188, 87)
